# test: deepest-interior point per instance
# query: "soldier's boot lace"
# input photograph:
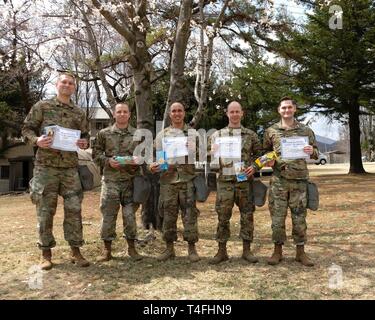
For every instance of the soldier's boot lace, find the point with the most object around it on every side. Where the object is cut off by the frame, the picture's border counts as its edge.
(221, 254)
(107, 252)
(302, 257)
(46, 263)
(77, 258)
(192, 252)
(247, 254)
(277, 255)
(132, 251)
(168, 253)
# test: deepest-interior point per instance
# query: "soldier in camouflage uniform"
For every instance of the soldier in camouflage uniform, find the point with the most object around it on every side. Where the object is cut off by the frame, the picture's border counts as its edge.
(288, 185)
(117, 181)
(229, 191)
(177, 188)
(56, 172)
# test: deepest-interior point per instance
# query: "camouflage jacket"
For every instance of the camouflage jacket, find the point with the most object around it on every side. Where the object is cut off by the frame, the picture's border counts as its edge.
(251, 149)
(180, 171)
(54, 112)
(289, 169)
(110, 142)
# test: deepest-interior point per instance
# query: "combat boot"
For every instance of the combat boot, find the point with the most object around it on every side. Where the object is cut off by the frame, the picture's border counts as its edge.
(107, 252)
(168, 253)
(132, 251)
(46, 263)
(192, 252)
(77, 258)
(277, 255)
(247, 254)
(221, 254)
(302, 257)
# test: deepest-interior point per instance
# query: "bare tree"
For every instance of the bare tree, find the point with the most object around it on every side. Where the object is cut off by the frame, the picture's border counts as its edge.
(130, 20)
(205, 60)
(177, 82)
(21, 71)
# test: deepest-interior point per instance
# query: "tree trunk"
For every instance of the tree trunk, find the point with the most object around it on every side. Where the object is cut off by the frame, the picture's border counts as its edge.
(142, 74)
(177, 82)
(24, 84)
(143, 97)
(140, 60)
(203, 74)
(356, 165)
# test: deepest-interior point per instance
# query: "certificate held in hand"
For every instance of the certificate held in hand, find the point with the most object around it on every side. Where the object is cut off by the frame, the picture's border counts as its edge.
(175, 147)
(64, 139)
(229, 147)
(292, 148)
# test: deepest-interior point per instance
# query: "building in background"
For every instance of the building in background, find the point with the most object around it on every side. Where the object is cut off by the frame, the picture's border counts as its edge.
(16, 167)
(99, 120)
(17, 164)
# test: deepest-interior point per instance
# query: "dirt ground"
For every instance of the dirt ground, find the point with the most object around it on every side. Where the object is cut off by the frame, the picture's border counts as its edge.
(341, 241)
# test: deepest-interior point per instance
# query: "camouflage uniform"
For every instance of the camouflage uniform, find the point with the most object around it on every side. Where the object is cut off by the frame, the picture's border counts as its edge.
(117, 185)
(229, 191)
(55, 171)
(288, 185)
(177, 192)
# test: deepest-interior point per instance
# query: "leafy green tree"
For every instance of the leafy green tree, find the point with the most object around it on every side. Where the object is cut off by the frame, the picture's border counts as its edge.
(259, 86)
(334, 63)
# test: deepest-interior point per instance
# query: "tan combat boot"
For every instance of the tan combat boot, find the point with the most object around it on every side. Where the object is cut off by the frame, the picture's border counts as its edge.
(168, 253)
(107, 252)
(132, 251)
(221, 254)
(277, 255)
(247, 254)
(192, 252)
(302, 257)
(77, 258)
(46, 263)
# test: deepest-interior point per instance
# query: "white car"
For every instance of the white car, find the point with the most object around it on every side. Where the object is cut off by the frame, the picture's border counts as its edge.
(322, 159)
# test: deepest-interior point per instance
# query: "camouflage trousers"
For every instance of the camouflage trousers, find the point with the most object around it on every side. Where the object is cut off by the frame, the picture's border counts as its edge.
(174, 197)
(286, 193)
(47, 183)
(228, 194)
(114, 194)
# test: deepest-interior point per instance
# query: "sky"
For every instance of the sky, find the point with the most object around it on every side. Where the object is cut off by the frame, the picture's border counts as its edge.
(321, 126)
(324, 128)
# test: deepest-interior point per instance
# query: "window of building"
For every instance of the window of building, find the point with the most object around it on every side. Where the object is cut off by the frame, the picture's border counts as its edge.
(4, 172)
(99, 125)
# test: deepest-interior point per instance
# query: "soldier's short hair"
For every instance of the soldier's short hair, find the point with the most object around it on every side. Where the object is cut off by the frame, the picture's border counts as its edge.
(233, 103)
(177, 102)
(68, 74)
(287, 98)
(122, 104)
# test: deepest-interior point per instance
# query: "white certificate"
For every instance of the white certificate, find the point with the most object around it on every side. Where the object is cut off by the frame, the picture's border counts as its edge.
(292, 148)
(65, 139)
(229, 147)
(175, 147)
